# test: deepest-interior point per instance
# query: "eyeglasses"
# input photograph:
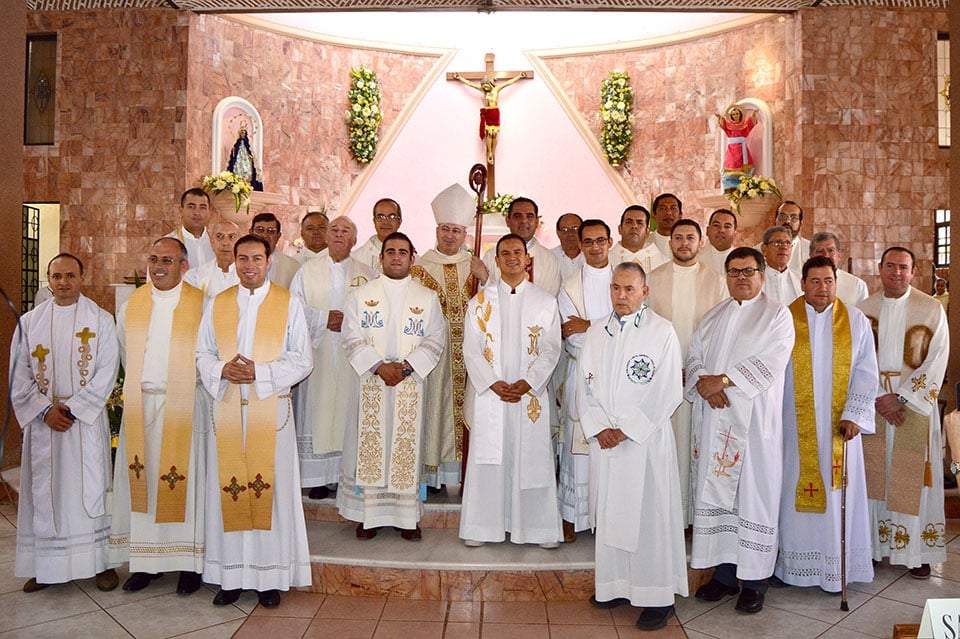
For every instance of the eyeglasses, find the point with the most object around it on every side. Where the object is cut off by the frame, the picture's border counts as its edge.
(166, 261)
(780, 243)
(568, 229)
(737, 273)
(383, 217)
(264, 230)
(600, 241)
(787, 217)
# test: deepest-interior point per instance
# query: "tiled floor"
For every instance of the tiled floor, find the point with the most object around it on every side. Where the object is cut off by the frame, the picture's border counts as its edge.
(79, 610)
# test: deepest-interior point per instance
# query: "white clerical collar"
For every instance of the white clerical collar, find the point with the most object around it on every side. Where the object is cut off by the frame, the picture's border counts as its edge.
(506, 289)
(590, 271)
(390, 282)
(616, 321)
(628, 251)
(187, 235)
(258, 293)
(173, 292)
(775, 273)
(827, 311)
(749, 301)
(684, 269)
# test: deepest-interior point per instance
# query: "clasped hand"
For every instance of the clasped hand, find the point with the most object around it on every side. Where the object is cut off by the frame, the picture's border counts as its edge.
(58, 418)
(392, 372)
(510, 393)
(334, 321)
(890, 408)
(610, 437)
(712, 389)
(239, 370)
(573, 326)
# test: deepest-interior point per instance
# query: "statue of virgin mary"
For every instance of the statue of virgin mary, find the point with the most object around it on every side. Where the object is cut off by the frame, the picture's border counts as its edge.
(242, 162)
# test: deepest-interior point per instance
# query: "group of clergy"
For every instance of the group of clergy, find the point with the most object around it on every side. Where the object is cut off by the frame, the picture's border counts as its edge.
(635, 388)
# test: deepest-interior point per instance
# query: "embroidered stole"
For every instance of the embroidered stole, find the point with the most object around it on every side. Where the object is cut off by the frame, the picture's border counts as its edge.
(409, 322)
(810, 494)
(178, 409)
(246, 468)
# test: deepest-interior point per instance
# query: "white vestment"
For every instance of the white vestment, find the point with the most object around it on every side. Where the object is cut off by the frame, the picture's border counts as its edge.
(546, 267)
(714, 259)
(851, 290)
(810, 542)
(384, 321)
(661, 243)
(911, 540)
(369, 253)
(738, 450)
(510, 484)
(63, 519)
(326, 401)
(629, 374)
(800, 253)
(782, 287)
(199, 249)
(211, 279)
(585, 294)
(649, 257)
(282, 269)
(567, 266)
(275, 559)
(303, 254)
(683, 295)
(135, 537)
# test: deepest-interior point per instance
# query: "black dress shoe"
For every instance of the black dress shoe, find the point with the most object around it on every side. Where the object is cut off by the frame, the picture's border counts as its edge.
(140, 580)
(654, 618)
(713, 590)
(920, 572)
(365, 533)
(269, 598)
(605, 605)
(188, 583)
(411, 535)
(777, 582)
(750, 601)
(226, 597)
(319, 492)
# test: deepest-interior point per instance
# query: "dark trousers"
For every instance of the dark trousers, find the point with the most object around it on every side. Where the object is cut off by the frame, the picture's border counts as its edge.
(727, 575)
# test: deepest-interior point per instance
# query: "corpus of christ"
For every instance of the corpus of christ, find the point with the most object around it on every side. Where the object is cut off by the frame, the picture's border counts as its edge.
(537, 320)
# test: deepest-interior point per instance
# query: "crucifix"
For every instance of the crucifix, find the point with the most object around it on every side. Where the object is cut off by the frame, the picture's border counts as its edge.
(490, 83)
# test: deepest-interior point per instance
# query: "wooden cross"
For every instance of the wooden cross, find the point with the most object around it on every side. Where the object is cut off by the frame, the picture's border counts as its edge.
(40, 353)
(86, 335)
(490, 83)
(810, 489)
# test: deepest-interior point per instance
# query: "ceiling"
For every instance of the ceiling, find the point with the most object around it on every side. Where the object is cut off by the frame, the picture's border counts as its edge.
(475, 5)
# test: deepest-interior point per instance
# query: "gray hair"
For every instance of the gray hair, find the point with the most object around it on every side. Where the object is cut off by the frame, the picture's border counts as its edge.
(826, 236)
(773, 230)
(628, 267)
(343, 219)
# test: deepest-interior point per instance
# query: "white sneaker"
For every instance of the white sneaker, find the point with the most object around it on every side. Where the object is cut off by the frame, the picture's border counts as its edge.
(550, 545)
(472, 543)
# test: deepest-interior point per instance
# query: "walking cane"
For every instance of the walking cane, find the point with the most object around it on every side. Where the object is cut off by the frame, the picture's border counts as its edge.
(843, 529)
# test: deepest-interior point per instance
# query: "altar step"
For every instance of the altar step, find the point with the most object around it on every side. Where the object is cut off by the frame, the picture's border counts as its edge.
(440, 567)
(439, 511)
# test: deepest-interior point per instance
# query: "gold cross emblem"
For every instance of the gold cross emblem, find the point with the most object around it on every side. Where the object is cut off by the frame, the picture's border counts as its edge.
(86, 335)
(258, 486)
(136, 466)
(172, 477)
(234, 488)
(40, 353)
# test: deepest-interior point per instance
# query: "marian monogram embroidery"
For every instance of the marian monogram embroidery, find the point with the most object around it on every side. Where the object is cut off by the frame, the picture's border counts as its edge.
(640, 369)
(414, 327)
(535, 333)
(371, 320)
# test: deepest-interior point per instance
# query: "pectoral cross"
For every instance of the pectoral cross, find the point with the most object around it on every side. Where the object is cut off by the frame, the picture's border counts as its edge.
(40, 353)
(490, 83)
(86, 335)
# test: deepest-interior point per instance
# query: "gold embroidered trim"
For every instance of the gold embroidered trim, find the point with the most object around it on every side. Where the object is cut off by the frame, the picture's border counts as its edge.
(403, 462)
(370, 443)
(83, 364)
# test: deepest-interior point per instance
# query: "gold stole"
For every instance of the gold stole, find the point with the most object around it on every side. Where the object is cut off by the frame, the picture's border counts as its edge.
(247, 468)
(178, 409)
(810, 493)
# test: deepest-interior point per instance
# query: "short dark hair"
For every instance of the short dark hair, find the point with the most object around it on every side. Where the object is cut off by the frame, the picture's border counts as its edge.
(322, 213)
(397, 235)
(745, 251)
(818, 261)
(902, 249)
(70, 255)
(564, 215)
(183, 249)
(250, 238)
(389, 200)
(636, 207)
(723, 212)
(685, 221)
(594, 222)
(194, 191)
(266, 216)
(663, 196)
(509, 236)
(520, 200)
(785, 203)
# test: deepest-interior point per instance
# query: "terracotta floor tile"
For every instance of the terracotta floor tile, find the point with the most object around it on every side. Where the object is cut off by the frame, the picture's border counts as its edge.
(460, 630)
(413, 610)
(582, 631)
(516, 612)
(514, 631)
(272, 627)
(340, 607)
(409, 630)
(670, 632)
(577, 612)
(293, 604)
(464, 611)
(341, 629)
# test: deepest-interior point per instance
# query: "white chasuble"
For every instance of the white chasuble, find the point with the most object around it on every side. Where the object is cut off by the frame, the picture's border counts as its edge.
(715, 259)
(782, 287)
(586, 294)
(629, 378)
(738, 450)
(199, 249)
(567, 266)
(648, 257)
(851, 290)
(282, 269)
(368, 253)
(385, 321)
(683, 295)
(276, 557)
(511, 334)
(326, 401)
(904, 463)
(810, 541)
(449, 277)
(162, 534)
(67, 354)
(543, 264)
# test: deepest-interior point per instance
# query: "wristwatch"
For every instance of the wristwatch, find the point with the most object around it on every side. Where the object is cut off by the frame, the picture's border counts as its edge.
(954, 467)
(725, 380)
(902, 399)
(407, 371)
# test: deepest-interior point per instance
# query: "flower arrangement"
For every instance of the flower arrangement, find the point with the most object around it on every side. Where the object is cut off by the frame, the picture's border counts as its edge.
(364, 115)
(500, 204)
(616, 107)
(230, 182)
(115, 409)
(750, 187)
